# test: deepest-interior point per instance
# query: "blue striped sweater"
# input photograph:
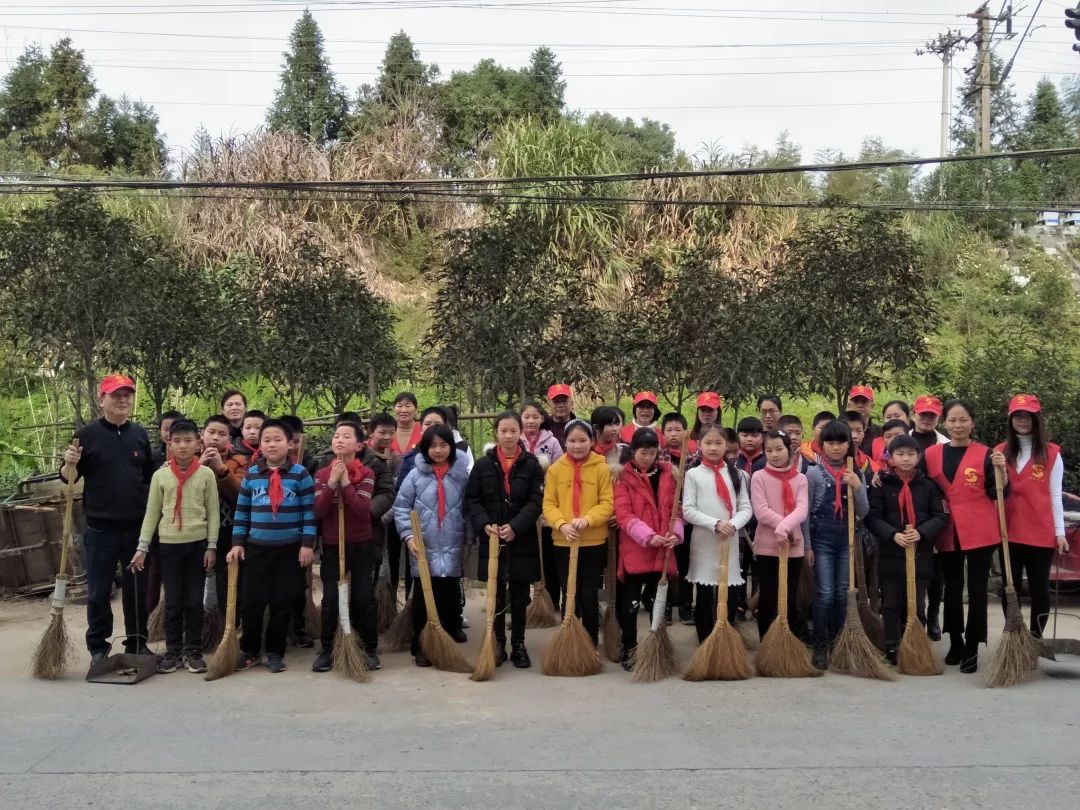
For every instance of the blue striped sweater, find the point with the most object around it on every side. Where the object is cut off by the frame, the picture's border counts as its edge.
(253, 520)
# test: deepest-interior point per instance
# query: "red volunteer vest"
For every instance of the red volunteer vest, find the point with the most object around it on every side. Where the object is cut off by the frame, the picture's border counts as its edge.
(1029, 514)
(972, 516)
(626, 434)
(414, 440)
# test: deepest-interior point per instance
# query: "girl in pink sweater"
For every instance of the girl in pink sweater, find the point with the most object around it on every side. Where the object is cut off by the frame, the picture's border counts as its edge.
(778, 494)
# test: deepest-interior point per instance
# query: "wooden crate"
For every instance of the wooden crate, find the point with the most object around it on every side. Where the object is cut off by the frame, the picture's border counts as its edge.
(37, 528)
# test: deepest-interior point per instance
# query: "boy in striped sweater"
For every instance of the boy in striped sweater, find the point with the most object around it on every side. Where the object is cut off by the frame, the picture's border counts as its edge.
(273, 533)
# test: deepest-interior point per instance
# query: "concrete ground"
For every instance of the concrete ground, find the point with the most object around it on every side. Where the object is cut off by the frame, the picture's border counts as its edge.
(423, 738)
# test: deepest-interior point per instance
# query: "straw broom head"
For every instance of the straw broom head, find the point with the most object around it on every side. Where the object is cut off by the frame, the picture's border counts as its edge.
(436, 643)
(571, 653)
(399, 635)
(541, 611)
(349, 659)
(155, 624)
(915, 656)
(224, 660)
(723, 655)
(213, 623)
(385, 604)
(485, 661)
(781, 654)
(612, 632)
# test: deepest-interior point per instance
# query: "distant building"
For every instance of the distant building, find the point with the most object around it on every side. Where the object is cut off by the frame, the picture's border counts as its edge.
(1049, 218)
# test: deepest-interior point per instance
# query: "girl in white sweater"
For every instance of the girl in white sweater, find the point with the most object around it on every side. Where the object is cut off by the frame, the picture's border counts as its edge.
(716, 502)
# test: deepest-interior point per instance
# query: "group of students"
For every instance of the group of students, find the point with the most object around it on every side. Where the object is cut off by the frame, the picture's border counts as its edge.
(241, 488)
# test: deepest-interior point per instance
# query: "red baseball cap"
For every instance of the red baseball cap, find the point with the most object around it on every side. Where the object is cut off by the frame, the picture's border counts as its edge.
(864, 391)
(1024, 402)
(114, 382)
(709, 399)
(559, 390)
(927, 404)
(645, 396)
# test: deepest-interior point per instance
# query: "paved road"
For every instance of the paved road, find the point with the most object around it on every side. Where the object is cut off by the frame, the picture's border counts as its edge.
(421, 738)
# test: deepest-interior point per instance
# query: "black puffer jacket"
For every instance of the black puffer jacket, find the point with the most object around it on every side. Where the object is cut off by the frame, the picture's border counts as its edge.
(486, 502)
(884, 521)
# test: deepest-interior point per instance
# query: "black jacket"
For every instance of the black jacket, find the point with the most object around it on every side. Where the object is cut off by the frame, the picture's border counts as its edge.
(884, 521)
(486, 502)
(117, 467)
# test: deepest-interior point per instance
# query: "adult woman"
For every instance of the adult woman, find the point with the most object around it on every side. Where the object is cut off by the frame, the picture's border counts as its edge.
(233, 407)
(964, 469)
(708, 413)
(505, 496)
(1034, 511)
(644, 413)
(408, 432)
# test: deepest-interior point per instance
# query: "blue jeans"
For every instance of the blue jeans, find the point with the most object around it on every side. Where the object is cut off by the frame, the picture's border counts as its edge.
(830, 602)
(105, 548)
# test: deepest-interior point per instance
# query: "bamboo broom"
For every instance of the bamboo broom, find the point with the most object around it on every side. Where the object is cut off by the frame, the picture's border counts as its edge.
(571, 652)
(655, 657)
(1017, 653)
(723, 655)
(871, 621)
(213, 626)
(853, 652)
(386, 607)
(612, 630)
(155, 623)
(541, 611)
(485, 662)
(55, 651)
(781, 654)
(349, 659)
(312, 615)
(224, 661)
(436, 643)
(915, 656)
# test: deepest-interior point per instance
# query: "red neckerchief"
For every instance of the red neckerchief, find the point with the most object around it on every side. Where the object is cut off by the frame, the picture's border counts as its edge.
(721, 484)
(440, 471)
(861, 460)
(603, 449)
(181, 477)
(785, 476)
(507, 464)
(575, 499)
(749, 468)
(532, 443)
(907, 503)
(838, 478)
(256, 453)
(355, 469)
(275, 491)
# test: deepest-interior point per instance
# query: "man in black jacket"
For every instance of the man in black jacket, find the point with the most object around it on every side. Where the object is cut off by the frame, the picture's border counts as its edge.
(114, 459)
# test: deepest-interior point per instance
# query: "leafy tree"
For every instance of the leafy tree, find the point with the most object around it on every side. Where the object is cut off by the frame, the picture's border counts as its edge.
(309, 100)
(125, 136)
(893, 184)
(647, 146)
(545, 89)
(1005, 116)
(68, 89)
(402, 75)
(1046, 127)
(22, 99)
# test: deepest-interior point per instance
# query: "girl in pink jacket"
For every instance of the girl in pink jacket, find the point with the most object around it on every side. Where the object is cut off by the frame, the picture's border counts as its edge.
(778, 494)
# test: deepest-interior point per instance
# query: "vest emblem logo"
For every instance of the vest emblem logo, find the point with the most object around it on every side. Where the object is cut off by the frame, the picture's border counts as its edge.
(971, 475)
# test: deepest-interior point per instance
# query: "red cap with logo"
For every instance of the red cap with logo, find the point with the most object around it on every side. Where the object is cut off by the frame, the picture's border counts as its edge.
(559, 390)
(645, 396)
(114, 382)
(708, 399)
(1024, 402)
(864, 391)
(927, 404)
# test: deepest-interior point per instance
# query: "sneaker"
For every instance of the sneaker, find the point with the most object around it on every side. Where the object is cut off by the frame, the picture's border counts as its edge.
(372, 658)
(194, 662)
(628, 660)
(98, 658)
(421, 660)
(247, 661)
(275, 662)
(169, 662)
(324, 662)
(821, 657)
(933, 628)
(970, 664)
(304, 640)
(686, 615)
(459, 636)
(519, 657)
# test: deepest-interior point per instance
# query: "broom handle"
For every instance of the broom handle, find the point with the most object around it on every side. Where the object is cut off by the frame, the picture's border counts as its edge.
(999, 487)
(676, 504)
(909, 563)
(230, 598)
(70, 472)
(781, 589)
(722, 583)
(571, 583)
(422, 567)
(851, 529)
(612, 564)
(341, 537)
(300, 450)
(540, 546)
(493, 577)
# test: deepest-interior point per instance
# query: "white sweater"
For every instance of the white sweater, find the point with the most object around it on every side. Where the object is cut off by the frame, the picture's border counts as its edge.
(703, 508)
(1057, 473)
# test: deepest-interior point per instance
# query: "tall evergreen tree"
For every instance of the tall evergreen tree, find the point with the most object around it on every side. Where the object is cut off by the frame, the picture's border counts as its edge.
(68, 87)
(545, 89)
(402, 75)
(22, 99)
(309, 101)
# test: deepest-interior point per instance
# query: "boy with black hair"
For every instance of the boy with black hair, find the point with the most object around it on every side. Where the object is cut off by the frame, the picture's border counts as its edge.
(811, 448)
(673, 427)
(183, 510)
(229, 468)
(299, 453)
(164, 423)
(250, 429)
(274, 534)
(160, 455)
(751, 437)
(790, 424)
(864, 466)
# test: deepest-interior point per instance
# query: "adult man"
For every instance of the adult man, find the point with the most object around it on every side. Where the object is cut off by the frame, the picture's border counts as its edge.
(561, 399)
(861, 399)
(113, 458)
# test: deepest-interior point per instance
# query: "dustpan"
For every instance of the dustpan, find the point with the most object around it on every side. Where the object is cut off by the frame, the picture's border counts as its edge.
(123, 668)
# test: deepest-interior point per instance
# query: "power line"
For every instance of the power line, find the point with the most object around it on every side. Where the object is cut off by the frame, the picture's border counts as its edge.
(1008, 67)
(623, 109)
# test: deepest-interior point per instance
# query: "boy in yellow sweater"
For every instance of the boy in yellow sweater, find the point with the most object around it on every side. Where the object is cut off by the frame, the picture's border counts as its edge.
(183, 509)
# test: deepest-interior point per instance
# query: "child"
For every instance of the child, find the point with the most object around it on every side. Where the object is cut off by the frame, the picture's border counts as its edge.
(347, 481)
(645, 412)
(857, 425)
(716, 503)
(606, 423)
(183, 510)
(166, 421)
(229, 468)
(505, 496)
(892, 429)
(811, 450)
(751, 458)
(251, 429)
(673, 427)
(435, 488)
(731, 452)
(538, 441)
(779, 497)
(274, 535)
(644, 506)
(153, 563)
(906, 509)
(299, 454)
(791, 425)
(672, 431)
(578, 503)
(829, 487)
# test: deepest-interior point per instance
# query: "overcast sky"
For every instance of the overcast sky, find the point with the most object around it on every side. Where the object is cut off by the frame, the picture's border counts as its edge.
(725, 72)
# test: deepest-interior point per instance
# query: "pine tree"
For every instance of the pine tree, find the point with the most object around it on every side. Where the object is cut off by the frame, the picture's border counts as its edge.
(22, 99)
(1005, 117)
(309, 101)
(546, 88)
(402, 75)
(68, 87)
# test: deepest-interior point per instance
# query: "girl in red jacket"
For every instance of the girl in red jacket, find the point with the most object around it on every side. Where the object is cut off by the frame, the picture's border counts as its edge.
(644, 507)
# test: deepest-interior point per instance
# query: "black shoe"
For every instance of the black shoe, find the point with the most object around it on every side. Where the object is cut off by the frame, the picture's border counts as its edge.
(275, 662)
(933, 628)
(890, 656)
(421, 660)
(667, 616)
(459, 636)
(955, 655)
(324, 662)
(970, 664)
(304, 640)
(194, 662)
(500, 653)
(686, 615)
(628, 660)
(372, 658)
(519, 657)
(98, 658)
(821, 657)
(169, 662)
(247, 661)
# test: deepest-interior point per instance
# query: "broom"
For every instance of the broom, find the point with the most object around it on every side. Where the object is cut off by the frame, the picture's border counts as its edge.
(385, 598)
(541, 611)
(871, 621)
(155, 623)
(399, 635)
(1017, 653)
(224, 661)
(485, 662)
(781, 654)
(723, 655)
(349, 660)
(312, 615)
(915, 655)
(853, 652)
(571, 652)
(612, 631)
(655, 658)
(436, 643)
(55, 652)
(213, 626)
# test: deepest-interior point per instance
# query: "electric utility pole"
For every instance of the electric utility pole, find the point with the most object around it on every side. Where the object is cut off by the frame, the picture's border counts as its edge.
(944, 46)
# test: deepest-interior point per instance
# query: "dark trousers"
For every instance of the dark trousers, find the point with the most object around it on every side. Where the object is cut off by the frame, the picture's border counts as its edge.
(768, 577)
(977, 561)
(270, 580)
(632, 587)
(360, 562)
(894, 607)
(1036, 563)
(705, 609)
(737, 595)
(873, 583)
(446, 591)
(551, 570)
(183, 575)
(298, 612)
(592, 560)
(105, 548)
(684, 591)
(935, 591)
(393, 549)
(518, 593)
(154, 580)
